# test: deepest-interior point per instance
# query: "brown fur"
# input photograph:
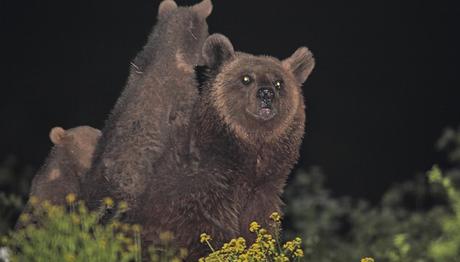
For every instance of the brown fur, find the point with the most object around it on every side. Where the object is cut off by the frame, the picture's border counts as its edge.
(69, 159)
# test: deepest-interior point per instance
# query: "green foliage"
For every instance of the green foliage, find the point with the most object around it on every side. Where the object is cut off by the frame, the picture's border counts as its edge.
(54, 234)
(447, 247)
(415, 221)
(72, 233)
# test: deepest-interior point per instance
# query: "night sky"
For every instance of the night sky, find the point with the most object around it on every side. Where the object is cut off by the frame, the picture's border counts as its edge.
(385, 85)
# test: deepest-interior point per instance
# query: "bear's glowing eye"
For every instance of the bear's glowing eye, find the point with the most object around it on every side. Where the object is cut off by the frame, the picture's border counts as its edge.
(278, 84)
(246, 80)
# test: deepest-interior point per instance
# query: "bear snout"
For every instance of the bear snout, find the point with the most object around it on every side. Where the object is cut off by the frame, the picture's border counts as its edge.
(266, 96)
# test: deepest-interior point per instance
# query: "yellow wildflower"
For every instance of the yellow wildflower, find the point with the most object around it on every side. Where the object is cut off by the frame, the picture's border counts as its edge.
(108, 202)
(289, 246)
(275, 216)
(298, 253)
(367, 259)
(297, 241)
(240, 244)
(123, 206)
(254, 226)
(263, 231)
(70, 198)
(243, 258)
(204, 237)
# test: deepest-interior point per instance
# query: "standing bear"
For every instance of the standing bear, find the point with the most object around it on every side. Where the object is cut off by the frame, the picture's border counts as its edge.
(153, 112)
(249, 125)
(244, 138)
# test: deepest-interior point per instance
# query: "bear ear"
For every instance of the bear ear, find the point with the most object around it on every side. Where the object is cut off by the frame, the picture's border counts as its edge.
(56, 135)
(217, 49)
(166, 6)
(203, 9)
(301, 63)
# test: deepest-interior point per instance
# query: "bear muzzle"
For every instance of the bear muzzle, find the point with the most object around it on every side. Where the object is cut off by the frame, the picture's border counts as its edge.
(265, 99)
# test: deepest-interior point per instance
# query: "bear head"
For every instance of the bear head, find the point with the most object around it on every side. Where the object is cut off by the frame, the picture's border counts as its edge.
(256, 97)
(191, 18)
(178, 30)
(76, 143)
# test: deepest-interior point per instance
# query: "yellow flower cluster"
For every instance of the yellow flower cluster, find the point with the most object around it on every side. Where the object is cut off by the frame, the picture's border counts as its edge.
(275, 216)
(254, 226)
(266, 247)
(293, 245)
(70, 198)
(108, 202)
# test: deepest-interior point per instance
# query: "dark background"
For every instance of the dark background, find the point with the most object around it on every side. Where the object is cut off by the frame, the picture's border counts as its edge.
(385, 85)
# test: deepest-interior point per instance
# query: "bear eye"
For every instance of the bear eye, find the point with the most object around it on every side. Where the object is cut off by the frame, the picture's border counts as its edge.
(278, 84)
(246, 80)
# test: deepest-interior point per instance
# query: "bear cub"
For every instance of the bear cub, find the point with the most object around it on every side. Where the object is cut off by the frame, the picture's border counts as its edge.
(69, 160)
(152, 114)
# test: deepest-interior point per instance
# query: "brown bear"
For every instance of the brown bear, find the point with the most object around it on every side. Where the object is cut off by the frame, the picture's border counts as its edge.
(244, 138)
(251, 120)
(153, 112)
(69, 160)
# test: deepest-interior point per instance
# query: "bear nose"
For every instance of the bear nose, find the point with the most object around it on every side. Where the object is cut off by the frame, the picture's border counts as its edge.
(265, 94)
